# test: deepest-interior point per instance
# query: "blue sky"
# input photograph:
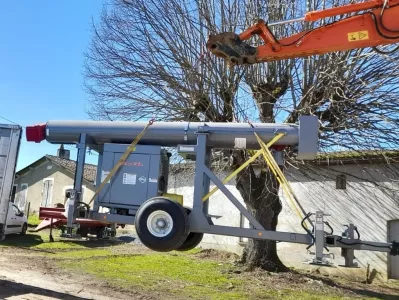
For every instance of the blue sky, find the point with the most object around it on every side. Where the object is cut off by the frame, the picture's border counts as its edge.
(41, 64)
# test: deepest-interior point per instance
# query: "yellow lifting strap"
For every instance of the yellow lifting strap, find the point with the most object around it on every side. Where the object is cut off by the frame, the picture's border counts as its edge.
(271, 162)
(125, 155)
(243, 166)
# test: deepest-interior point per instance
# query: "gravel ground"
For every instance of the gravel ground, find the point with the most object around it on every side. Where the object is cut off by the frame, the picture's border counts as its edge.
(23, 276)
(26, 274)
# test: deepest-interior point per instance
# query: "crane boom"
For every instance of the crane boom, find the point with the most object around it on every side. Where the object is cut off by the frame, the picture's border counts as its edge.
(377, 24)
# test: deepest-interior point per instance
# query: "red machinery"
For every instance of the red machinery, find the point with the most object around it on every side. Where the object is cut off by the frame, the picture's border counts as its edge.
(55, 217)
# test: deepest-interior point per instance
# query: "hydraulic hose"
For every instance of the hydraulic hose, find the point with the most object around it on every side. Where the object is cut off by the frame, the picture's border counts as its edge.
(307, 230)
(329, 226)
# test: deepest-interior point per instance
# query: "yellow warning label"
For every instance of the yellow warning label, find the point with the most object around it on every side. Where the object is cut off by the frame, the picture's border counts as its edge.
(358, 36)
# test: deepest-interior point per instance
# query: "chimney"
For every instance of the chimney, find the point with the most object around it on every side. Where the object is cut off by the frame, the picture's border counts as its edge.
(62, 153)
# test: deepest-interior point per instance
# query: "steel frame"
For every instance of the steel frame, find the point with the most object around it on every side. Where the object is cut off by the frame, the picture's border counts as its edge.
(200, 221)
(76, 193)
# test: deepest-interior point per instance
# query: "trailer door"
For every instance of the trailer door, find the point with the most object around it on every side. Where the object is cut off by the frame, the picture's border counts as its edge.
(10, 138)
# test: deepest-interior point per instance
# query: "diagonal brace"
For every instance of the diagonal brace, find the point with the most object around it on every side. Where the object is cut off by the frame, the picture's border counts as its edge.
(233, 199)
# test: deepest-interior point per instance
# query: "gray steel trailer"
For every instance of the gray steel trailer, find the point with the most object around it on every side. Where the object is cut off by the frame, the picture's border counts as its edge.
(10, 139)
(135, 193)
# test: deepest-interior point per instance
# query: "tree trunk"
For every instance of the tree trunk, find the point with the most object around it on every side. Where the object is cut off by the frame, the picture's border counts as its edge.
(260, 193)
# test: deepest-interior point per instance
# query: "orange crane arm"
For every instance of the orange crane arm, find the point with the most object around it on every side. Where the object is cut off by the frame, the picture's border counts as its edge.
(377, 25)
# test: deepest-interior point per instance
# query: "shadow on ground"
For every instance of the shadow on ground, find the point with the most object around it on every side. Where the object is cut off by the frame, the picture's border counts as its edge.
(360, 289)
(15, 240)
(10, 289)
(31, 240)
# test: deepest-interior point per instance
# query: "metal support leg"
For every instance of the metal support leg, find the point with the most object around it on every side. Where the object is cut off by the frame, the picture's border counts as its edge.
(71, 210)
(113, 230)
(207, 181)
(198, 219)
(319, 236)
(98, 175)
(77, 186)
(347, 253)
(51, 231)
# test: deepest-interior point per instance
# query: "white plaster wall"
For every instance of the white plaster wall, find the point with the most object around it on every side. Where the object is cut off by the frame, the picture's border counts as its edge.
(367, 206)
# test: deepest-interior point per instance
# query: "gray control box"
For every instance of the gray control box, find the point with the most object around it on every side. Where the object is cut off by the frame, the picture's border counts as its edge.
(142, 176)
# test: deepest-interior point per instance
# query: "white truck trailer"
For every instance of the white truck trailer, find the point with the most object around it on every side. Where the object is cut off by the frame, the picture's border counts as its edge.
(10, 140)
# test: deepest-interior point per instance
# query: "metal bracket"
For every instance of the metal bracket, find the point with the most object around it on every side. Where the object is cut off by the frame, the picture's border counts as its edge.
(347, 253)
(395, 248)
(185, 131)
(319, 241)
(321, 262)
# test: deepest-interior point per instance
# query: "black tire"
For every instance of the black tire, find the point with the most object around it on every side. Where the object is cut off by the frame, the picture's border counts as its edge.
(84, 232)
(178, 232)
(192, 241)
(24, 229)
(100, 232)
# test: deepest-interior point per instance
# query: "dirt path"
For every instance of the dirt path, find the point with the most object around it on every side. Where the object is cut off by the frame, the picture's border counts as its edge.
(24, 275)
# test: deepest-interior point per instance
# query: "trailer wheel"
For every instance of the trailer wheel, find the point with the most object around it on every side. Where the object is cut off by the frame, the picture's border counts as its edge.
(193, 239)
(161, 224)
(84, 232)
(101, 233)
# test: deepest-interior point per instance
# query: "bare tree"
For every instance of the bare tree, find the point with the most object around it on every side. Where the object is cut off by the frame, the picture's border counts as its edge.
(147, 59)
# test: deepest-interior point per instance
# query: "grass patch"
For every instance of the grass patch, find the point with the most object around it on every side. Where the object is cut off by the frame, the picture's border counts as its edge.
(91, 253)
(37, 242)
(34, 220)
(59, 245)
(169, 273)
(183, 274)
(40, 240)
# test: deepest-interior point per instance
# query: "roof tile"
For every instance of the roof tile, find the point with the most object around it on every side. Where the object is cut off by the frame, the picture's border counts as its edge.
(89, 169)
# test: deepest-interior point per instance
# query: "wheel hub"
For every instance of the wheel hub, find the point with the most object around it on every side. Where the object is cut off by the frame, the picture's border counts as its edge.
(159, 223)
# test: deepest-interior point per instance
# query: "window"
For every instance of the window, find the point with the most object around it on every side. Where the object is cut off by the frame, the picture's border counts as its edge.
(17, 212)
(13, 193)
(47, 192)
(22, 196)
(341, 182)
